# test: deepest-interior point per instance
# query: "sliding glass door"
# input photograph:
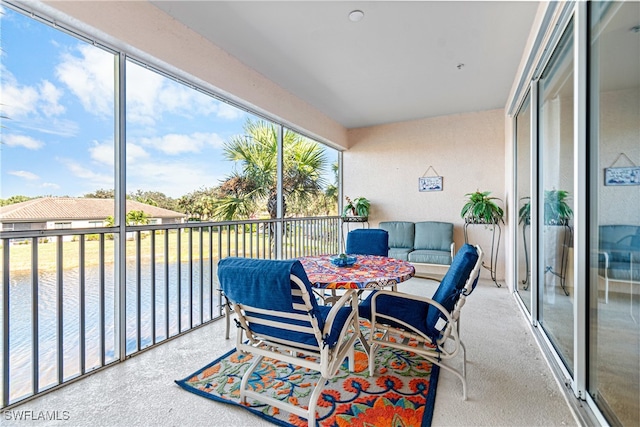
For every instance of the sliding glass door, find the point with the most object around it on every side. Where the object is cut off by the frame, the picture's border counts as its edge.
(555, 183)
(523, 196)
(614, 324)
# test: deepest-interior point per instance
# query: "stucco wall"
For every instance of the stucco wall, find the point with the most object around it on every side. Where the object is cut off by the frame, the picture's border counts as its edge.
(467, 150)
(618, 133)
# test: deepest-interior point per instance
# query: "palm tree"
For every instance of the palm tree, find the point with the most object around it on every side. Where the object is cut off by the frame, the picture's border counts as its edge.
(254, 185)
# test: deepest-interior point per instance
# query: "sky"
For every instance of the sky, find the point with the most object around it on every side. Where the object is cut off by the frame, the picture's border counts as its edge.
(58, 120)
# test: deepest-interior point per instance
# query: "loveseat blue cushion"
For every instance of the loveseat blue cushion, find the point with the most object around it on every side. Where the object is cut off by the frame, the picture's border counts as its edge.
(619, 241)
(372, 241)
(401, 234)
(428, 256)
(451, 286)
(400, 253)
(433, 235)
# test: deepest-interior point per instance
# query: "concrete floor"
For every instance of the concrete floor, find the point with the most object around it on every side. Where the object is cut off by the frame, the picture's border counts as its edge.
(509, 380)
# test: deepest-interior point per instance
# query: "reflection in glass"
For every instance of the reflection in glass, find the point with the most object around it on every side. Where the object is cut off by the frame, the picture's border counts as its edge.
(614, 363)
(556, 181)
(523, 195)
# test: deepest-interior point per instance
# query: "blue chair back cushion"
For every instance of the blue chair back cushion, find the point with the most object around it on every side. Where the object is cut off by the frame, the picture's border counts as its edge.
(372, 241)
(451, 286)
(266, 284)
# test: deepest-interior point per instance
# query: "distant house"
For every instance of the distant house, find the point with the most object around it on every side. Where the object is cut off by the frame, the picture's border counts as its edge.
(49, 213)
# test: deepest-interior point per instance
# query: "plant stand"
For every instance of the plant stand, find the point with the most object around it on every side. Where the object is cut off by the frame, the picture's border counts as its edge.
(527, 279)
(495, 247)
(564, 242)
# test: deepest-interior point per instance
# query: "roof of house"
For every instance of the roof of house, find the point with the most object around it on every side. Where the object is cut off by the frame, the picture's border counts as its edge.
(72, 208)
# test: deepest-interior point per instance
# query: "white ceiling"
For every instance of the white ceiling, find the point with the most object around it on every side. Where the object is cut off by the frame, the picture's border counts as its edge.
(400, 62)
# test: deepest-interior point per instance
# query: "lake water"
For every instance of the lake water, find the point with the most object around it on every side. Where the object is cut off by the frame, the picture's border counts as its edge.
(21, 305)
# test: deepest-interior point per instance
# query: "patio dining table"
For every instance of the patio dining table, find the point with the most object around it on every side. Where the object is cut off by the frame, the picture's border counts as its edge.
(368, 272)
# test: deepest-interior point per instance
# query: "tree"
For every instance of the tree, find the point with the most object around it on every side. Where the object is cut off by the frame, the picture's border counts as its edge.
(254, 186)
(101, 194)
(133, 218)
(14, 199)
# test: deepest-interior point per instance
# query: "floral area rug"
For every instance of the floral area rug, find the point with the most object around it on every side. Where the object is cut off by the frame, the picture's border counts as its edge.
(402, 393)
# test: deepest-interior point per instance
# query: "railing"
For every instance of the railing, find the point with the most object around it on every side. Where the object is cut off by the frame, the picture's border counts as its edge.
(61, 312)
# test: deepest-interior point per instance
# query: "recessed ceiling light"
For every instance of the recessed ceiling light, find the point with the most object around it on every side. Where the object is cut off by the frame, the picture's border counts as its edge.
(356, 15)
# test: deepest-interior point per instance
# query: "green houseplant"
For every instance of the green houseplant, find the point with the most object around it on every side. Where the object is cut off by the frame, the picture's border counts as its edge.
(480, 208)
(556, 209)
(524, 214)
(356, 207)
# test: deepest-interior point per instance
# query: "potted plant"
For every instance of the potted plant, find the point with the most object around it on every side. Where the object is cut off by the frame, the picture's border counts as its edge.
(358, 207)
(480, 208)
(556, 209)
(524, 214)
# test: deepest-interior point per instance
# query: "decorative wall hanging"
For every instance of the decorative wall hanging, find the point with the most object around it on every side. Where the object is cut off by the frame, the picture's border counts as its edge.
(628, 175)
(430, 183)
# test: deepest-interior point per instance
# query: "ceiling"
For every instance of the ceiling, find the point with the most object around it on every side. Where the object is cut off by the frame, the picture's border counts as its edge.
(404, 60)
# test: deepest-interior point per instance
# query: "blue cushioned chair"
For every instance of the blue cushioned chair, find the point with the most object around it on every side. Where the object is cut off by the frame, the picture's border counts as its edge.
(397, 317)
(368, 241)
(278, 317)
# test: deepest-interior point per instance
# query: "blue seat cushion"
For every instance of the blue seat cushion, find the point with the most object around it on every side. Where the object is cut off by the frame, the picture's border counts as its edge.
(409, 311)
(286, 333)
(371, 241)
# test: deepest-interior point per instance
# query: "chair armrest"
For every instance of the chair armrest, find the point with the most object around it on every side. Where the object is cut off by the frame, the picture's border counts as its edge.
(606, 258)
(350, 297)
(453, 250)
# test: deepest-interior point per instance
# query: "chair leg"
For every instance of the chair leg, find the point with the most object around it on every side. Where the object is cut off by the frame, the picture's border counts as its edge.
(227, 315)
(246, 376)
(462, 378)
(322, 381)
(372, 359)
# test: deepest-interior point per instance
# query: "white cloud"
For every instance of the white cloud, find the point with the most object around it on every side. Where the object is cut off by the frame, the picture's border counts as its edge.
(50, 96)
(103, 153)
(50, 185)
(229, 112)
(172, 178)
(150, 96)
(96, 179)
(174, 144)
(17, 101)
(34, 107)
(22, 141)
(29, 176)
(90, 78)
